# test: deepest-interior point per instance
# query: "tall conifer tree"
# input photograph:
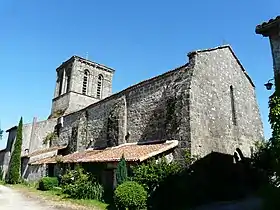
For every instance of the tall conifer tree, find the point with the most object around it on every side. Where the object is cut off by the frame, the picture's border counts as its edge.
(121, 174)
(15, 164)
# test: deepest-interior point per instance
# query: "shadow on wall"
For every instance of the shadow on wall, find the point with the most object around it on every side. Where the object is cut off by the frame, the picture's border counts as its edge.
(216, 177)
(170, 118)
(32, 172)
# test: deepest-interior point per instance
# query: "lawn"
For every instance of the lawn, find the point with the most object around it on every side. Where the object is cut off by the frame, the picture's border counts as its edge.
(58, 198)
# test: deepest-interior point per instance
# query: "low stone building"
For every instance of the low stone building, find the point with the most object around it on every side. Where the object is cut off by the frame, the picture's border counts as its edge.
(206, 105)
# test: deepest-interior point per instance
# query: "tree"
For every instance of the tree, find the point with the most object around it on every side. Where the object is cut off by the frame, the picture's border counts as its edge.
(121, 174)
(15, 166)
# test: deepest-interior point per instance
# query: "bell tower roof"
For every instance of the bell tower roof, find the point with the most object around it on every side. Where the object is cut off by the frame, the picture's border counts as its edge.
(86, 61)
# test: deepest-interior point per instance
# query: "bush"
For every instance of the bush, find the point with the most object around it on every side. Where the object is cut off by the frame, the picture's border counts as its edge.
(78, 184)
(130, 195)
(48, 183)
(151, 174)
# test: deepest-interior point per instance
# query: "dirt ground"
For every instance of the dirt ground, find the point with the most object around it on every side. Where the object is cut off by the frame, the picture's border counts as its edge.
(23, 200)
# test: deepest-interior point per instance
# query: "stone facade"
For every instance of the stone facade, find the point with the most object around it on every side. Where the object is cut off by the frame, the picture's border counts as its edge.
(227, 117)
(192, 104)
(79, 83)
(208, 105)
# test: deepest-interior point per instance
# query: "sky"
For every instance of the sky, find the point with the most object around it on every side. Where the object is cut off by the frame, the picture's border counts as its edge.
(139, 39)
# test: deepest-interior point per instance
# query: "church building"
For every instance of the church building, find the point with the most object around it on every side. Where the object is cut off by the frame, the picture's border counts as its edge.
(206, 105)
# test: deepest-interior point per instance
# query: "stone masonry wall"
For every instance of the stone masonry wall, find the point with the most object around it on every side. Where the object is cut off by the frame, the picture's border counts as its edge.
(39, 131)
(212, 127)
(73, 99)
(77, 79)
(5, 155)
(191, 104)
(275, 48)
(155, 109)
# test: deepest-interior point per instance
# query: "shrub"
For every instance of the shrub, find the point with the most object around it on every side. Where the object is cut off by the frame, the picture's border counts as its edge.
(151, 174)
(78, 184)
(15, 167)
(121, 174)
(130, 195)
(48, 183)
(84, 190)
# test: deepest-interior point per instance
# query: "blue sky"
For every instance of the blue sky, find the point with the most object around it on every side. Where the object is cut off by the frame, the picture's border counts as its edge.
(140, 39)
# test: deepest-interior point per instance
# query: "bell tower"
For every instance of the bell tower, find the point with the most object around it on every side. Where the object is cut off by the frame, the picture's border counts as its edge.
(79, 83)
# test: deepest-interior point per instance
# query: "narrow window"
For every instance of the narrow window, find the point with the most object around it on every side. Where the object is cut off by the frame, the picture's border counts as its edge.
(99, 85)
(60, 85)
(233, 110)
(85, 82)
(68, 80)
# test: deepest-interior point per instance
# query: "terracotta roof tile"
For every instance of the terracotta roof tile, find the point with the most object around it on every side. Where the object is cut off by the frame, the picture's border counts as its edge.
(74, 157)
(46, 150)
(132, 152)
(52, 159)
(265, 25)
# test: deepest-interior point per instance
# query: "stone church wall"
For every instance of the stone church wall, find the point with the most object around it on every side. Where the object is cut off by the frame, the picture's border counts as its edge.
(191, 104)
(155, 109)
(212, 127)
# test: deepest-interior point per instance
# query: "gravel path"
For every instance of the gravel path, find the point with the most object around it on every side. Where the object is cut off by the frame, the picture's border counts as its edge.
(10, 199)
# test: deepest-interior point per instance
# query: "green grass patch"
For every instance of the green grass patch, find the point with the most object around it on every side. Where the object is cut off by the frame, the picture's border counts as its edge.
(57, 196)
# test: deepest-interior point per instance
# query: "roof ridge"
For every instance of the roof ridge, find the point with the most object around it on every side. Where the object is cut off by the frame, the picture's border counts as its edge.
(209, 49)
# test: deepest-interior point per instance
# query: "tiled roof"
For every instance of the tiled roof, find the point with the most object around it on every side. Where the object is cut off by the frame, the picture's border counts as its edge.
(265, 25)
(46, 150)
(74, 157)
(52, 159)
(132, 152)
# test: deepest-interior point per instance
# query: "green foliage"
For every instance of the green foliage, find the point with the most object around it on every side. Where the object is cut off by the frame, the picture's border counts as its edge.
(121, 174)
(15, 166)
(152, 173)
(78, 184)
(267, 155)
(48, 183)
(50, 137)
(130, 195)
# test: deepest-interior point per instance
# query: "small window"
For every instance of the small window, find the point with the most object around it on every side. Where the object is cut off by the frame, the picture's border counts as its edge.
(99, 85)
(233, 110)
(68, 79)
(85, 82)
(60, 78)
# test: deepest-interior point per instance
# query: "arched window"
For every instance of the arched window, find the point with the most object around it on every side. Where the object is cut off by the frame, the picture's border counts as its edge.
(99, 85)
(85, 82)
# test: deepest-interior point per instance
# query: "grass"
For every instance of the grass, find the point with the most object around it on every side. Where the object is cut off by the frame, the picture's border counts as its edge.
(58, 198)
